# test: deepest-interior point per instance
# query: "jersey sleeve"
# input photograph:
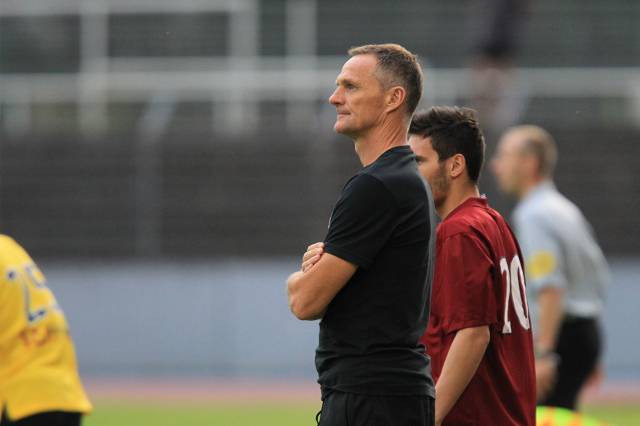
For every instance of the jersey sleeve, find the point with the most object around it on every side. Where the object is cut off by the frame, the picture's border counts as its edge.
(468, 293)
(542, 253)
(362, 221)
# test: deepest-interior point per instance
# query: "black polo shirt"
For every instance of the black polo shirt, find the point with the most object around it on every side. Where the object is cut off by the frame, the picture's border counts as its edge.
(369, 335)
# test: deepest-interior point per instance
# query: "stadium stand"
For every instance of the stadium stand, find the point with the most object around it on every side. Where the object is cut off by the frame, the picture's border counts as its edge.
(155, 128)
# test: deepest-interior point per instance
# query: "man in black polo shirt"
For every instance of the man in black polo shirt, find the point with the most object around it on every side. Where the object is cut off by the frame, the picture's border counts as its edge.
(370, 279)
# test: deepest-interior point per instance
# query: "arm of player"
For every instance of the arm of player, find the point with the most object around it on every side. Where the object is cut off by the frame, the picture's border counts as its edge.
(311, 291)
(551, 311)
(466, 352)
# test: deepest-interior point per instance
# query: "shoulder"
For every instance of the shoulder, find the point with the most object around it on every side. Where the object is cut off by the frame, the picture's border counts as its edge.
(365, 194)
(470, 220)
(10, 251)
(399, 187)
(366, 184)
(456, 236)
(549, 211)
(452, 227)
(478, 225)
(460, 240)
(534, 213)
(403, 182)
(8, 243)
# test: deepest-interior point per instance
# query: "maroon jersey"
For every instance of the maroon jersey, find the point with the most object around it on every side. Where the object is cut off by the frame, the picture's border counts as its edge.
(479, 280)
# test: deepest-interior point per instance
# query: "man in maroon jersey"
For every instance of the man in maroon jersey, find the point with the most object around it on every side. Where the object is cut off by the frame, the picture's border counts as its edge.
(479, 335)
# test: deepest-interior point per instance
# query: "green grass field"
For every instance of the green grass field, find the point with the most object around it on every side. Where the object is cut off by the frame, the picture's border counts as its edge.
(259, 414)
(266, 414)
(616, 415)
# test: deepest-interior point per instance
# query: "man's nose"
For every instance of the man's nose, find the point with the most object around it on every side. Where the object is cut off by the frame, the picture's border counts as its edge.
(335, 97)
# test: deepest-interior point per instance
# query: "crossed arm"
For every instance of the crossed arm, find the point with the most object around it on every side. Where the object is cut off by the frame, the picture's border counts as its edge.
(321, 276)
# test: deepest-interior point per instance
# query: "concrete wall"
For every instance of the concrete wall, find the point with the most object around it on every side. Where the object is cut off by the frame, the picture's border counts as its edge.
(230, 318)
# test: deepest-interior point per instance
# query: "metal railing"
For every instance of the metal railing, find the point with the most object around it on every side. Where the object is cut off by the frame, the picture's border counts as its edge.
(236, 84)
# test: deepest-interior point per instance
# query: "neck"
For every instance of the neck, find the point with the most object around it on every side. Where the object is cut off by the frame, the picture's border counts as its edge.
(456, 197)
(530, 185)
(379, 139)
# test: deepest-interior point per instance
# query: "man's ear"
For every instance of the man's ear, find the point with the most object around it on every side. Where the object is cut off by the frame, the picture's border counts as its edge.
(531, 165)
(457, 165)
(395, 98)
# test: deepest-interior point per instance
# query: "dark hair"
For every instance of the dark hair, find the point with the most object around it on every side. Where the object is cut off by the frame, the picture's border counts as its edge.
(399, 68)
(453, 130)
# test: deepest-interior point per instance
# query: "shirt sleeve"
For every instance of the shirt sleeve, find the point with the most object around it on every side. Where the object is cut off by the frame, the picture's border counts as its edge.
(468, 293)
(362, 221)
(542, 253)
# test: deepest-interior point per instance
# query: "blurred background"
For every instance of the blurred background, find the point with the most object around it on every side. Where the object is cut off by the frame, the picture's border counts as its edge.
(167, 162)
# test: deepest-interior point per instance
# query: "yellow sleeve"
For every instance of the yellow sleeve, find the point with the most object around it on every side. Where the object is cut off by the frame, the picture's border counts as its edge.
(39, 371)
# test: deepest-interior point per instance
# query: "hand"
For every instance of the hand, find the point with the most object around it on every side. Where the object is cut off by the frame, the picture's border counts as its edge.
(312, 256)
(546, 370)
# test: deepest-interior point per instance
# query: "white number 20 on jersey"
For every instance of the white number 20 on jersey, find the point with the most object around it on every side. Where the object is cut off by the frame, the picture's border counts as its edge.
(515, 291)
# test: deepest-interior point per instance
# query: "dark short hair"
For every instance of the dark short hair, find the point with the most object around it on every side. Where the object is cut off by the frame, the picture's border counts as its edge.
(453, 130)
(400, 68)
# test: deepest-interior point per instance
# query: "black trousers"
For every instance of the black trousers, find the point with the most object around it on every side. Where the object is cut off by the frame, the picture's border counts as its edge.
(348, 409)
(49, 418)
(579, 347)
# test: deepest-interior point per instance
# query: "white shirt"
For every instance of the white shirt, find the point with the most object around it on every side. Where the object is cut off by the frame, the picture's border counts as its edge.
(560, 250)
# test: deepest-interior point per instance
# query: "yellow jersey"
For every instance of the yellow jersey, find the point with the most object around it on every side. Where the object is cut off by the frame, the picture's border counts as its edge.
(38, 370)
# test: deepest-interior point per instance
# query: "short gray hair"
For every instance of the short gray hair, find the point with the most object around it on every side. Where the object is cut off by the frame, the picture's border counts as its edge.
(539, 143)
(400, 65)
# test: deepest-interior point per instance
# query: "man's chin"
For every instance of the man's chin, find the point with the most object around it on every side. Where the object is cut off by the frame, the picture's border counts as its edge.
(341, 129)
